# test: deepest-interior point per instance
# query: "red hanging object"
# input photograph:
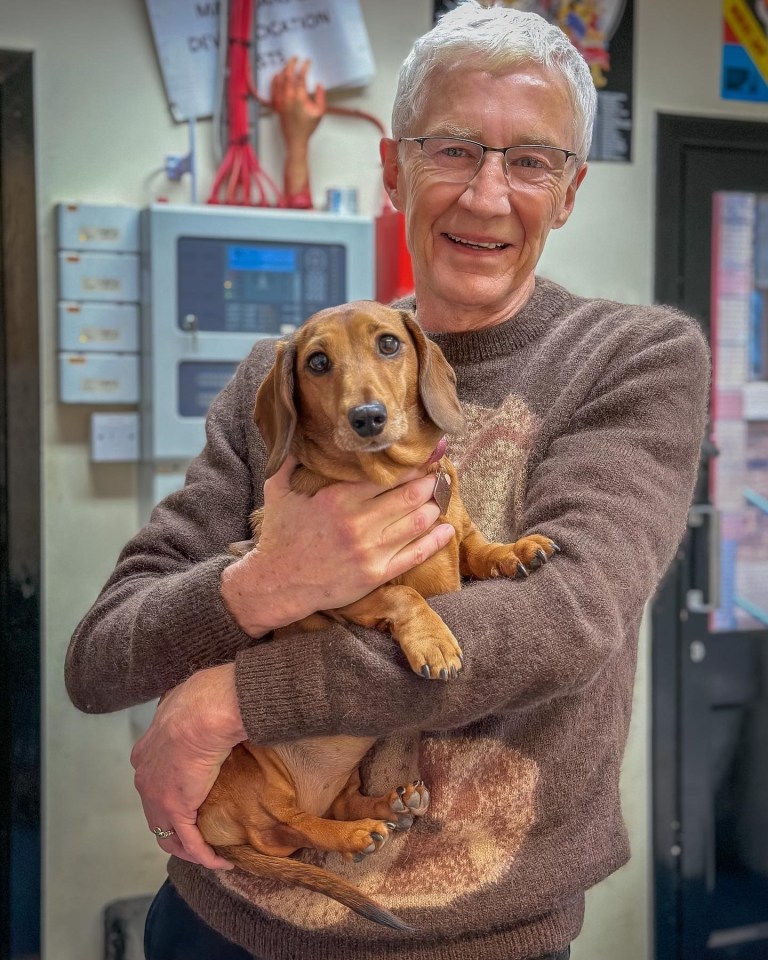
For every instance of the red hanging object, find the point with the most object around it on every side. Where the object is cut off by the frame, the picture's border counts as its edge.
(240, 179)
(394, 273)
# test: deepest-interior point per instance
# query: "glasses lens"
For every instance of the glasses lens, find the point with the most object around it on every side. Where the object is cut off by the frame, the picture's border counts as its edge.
(535, 164)
(455, 160)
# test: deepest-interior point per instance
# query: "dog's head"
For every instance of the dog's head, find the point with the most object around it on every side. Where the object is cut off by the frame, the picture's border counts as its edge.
(358, 391)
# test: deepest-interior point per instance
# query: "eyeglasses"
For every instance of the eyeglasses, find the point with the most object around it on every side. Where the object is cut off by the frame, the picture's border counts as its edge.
(456, 160)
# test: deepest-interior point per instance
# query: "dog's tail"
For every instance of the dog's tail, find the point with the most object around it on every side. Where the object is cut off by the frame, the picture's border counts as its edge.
(312, 878)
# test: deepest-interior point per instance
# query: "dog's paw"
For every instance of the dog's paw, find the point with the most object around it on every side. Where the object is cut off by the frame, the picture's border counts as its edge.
(434, 653)
(364, 837)
(535, 550)
(408, 802)
(519, 559)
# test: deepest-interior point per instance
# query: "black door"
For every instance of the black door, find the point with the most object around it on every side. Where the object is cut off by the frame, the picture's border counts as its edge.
(710, 618)
(19, 519)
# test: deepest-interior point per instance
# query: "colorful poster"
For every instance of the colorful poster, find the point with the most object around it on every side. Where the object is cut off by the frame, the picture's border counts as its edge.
(602, 31)
(745, 50)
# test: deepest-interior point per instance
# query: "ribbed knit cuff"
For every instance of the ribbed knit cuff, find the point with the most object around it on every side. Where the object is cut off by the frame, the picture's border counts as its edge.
(281, 688)
(185, 615)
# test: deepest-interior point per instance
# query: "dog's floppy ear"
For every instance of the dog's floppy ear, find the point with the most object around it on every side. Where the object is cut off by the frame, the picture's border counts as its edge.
(275, 409)
(437, 381)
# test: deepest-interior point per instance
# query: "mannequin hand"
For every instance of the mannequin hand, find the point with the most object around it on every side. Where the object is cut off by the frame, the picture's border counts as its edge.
(299, 110)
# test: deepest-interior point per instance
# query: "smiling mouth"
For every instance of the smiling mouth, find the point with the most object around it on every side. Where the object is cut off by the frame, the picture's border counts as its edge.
(474, 245)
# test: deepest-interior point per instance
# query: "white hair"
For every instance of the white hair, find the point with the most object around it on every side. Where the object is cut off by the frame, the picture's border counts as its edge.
(494, 39)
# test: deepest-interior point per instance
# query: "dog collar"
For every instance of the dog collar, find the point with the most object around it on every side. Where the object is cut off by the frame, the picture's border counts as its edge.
(439, 452)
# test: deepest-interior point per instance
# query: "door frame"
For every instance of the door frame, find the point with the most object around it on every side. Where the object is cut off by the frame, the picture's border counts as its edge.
(676, 135)
(20, 563)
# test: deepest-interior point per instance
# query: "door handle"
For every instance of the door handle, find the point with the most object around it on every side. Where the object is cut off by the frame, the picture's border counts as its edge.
(699, 515)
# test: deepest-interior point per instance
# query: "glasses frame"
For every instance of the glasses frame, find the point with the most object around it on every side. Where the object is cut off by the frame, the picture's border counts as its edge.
(486, 149)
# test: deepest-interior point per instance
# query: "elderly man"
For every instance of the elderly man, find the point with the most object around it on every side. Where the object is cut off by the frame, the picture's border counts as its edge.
(585, 419)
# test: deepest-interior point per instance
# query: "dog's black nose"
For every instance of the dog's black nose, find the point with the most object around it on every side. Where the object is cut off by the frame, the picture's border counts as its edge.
(368, 419)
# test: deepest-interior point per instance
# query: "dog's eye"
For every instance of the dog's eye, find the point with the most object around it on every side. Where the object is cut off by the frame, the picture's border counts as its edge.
(389, 345)
(319, 362)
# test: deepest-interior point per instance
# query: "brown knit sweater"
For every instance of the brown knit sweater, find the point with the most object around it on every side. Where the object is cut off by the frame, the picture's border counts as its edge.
(585, 420)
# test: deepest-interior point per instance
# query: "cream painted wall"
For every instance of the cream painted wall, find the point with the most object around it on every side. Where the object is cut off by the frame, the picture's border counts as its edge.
(102, 129)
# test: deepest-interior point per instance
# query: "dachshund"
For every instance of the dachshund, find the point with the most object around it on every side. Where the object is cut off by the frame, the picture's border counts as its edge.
(357, 393)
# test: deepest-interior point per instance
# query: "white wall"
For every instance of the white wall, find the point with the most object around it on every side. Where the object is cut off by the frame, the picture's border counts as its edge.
(102, 127)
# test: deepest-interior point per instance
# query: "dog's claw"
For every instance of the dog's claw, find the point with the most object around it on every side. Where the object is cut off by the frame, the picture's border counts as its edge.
(521, 571)
(426, 672)
(409, 802)
(541, 555)
(555, 547)
(377, 836)
(443, 674)
(390, 825)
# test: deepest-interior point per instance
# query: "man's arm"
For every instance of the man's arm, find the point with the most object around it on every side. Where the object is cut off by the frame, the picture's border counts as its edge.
(177, 607)
(612, 491)
(177, 602)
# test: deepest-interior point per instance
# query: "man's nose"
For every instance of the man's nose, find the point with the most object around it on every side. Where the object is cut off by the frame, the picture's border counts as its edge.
(488, 191)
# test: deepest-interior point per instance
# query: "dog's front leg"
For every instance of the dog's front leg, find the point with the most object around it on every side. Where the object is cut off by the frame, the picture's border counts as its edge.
(482, 559)
(431, 648)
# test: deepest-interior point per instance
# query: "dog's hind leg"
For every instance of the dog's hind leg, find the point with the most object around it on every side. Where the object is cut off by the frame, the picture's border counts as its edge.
(399, 807)
(351, 838)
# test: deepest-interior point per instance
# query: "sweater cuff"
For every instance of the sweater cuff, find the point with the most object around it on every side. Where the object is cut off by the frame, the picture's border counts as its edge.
(203, 632)
(281, 687)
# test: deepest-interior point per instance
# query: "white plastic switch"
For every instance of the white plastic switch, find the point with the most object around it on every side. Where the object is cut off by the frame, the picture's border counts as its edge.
(114, 437)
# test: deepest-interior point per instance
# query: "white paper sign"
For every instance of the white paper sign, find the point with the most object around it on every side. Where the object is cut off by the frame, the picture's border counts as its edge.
(330, 33)
(187, 41)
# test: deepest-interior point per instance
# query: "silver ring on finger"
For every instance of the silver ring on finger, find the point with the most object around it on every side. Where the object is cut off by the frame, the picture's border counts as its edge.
(163, 834)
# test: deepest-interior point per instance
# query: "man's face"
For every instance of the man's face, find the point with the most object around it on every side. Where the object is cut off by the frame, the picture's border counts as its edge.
(475, 245)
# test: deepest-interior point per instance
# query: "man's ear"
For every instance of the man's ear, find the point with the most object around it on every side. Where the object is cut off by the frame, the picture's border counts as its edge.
(390, 162)
(570, 198)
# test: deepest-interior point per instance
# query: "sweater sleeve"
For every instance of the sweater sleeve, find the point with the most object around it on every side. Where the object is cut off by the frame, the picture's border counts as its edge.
(160, 615)
(612, 489)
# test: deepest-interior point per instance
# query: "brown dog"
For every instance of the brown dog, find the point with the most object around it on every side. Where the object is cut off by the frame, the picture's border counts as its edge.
(357, 393)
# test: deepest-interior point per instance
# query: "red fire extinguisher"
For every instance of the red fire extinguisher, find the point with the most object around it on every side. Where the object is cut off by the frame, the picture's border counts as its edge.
(394, 273)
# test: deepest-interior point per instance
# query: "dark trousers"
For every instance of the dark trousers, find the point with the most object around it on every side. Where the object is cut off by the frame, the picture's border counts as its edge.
(175, 932)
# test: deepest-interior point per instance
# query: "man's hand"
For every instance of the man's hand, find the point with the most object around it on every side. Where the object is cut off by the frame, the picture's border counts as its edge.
(179, 757)
(328, 550)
